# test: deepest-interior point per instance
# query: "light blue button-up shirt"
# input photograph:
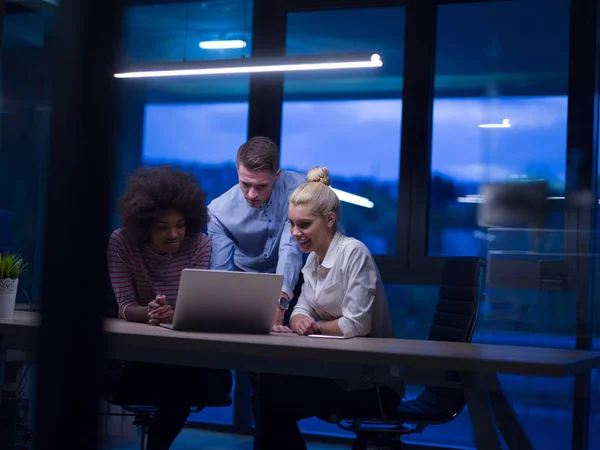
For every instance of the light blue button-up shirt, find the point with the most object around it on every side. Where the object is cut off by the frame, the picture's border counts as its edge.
(256, 239)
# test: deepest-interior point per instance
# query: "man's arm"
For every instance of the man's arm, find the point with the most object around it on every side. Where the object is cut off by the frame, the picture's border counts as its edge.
(222, 245)
(289, 262)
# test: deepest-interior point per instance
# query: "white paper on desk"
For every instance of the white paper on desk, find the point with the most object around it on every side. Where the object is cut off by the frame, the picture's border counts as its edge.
(329, 336)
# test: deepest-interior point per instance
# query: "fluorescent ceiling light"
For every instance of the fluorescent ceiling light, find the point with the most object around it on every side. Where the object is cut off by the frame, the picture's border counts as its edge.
(477, 198)
(354, 199)
(218, 45)
(254, 65)
(471, 198)
(505, 124)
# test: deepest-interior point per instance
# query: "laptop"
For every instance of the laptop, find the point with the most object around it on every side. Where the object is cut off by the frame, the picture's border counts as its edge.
(219, 301)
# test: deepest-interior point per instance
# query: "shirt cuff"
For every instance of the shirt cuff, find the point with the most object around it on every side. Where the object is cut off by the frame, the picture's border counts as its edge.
(123, 310)
(347, 327)
(288, 291)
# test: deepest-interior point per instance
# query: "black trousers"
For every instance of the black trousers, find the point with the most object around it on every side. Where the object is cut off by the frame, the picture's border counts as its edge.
(284, 400)
(173, 391)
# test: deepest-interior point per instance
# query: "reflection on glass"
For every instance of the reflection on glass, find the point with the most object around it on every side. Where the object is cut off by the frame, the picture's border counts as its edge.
(25, 115)
(500, 116)
(465, 156)
(168, 32)
(500, 113)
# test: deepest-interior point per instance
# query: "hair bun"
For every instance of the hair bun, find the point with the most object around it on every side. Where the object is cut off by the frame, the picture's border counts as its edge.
(319, 175)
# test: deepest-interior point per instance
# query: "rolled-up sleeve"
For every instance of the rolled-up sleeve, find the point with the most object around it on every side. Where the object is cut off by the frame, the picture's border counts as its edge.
(289, 262)
(361, 285)
(222, 246)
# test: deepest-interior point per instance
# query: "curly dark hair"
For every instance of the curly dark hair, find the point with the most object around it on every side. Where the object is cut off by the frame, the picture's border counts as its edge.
(151, 190)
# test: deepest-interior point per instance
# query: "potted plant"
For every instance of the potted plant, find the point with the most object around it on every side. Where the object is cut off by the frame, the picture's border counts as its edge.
(11, 268)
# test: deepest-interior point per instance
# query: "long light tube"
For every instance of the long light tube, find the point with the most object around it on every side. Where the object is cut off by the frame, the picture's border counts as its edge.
(220, 45)
(254, 65)
(505, 124)
(354, 199)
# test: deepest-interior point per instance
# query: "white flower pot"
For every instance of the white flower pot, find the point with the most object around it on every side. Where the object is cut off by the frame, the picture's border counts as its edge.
(8, 295)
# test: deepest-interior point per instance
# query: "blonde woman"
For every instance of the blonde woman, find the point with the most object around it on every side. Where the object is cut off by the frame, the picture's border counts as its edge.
(342, 294)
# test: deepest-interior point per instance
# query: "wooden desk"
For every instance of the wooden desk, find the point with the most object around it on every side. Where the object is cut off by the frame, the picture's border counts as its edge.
(358, 358)
(135, 341)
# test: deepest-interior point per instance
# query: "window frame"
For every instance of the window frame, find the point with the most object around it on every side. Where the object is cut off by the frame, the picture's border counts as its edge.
(411, 265)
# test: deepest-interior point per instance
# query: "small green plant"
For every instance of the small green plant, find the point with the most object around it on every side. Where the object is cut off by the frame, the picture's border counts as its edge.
(11, 266)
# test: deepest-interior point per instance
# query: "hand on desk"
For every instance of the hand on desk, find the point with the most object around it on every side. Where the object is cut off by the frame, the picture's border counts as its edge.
(306, 325)
(159, 311)
(281, 329)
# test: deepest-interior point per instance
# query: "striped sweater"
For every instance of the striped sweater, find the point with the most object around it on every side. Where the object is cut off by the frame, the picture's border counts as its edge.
(138, 275)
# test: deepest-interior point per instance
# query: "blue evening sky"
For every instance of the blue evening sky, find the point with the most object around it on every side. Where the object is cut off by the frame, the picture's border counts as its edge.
(362, 137)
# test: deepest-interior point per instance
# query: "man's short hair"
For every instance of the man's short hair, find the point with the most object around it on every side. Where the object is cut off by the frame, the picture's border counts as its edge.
(259, 153)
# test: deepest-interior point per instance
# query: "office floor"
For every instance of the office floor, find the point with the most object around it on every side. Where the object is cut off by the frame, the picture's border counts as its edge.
(204, 440)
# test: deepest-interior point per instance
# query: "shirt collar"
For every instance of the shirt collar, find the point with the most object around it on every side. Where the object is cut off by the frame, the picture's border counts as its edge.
(331, 254)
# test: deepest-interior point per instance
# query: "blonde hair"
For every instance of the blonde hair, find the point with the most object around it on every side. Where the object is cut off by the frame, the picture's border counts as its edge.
(317, 193)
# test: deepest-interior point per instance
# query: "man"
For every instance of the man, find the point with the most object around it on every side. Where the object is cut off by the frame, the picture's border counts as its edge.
(248, 224)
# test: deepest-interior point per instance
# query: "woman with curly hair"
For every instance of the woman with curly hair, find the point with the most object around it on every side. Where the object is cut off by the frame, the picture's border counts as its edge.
(163, 213)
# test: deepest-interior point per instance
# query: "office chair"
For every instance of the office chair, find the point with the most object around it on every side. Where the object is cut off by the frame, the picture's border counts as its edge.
(142, 414)
(454, 321)
(133, 406)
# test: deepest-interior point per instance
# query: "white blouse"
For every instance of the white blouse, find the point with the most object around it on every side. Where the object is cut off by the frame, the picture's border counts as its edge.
(346, 286)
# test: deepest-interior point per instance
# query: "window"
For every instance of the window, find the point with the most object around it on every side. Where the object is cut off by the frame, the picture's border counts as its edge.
(194, 124)
(500, 113)
(26, 116)
(349, 121)
(202, 138)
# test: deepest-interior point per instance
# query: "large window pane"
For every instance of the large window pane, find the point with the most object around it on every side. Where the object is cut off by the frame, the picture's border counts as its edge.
(349, 121)
(496, 63)
(202, 138)
(25, 117)
(500, 115)
(196, 124)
